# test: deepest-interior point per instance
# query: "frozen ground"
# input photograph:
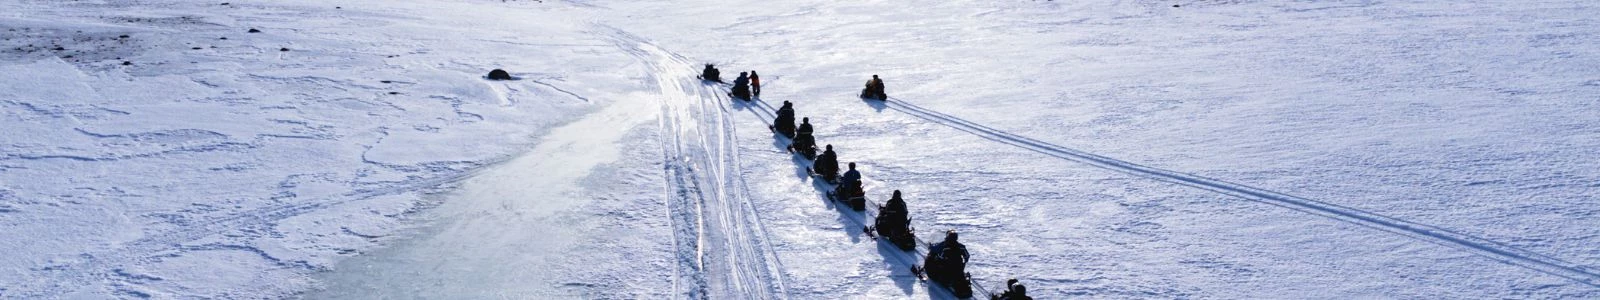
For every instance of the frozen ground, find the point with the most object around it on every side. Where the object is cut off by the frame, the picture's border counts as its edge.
(1104, 149)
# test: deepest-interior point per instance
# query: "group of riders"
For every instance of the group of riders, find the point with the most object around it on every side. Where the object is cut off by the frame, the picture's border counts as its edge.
(946, 261)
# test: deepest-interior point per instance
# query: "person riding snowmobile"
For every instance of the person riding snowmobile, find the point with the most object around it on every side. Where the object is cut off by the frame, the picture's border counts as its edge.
(895, 205)
(874, 89)
(946, 264)
(850, 190)
(894, 223)
(950, 243)
(805, 144)
(805, 127)
(1014, 291)
(711, 73)
(827, 165)
(784, 123)
(741, 86)
(852, 176)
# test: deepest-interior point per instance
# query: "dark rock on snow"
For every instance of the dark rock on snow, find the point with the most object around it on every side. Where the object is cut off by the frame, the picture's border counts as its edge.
(498, 74)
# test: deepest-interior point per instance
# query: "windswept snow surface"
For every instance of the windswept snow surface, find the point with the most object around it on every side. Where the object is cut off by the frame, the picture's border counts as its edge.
(1102, 149)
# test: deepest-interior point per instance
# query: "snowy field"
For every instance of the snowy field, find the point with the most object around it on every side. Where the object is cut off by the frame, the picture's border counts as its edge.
(1099, 149)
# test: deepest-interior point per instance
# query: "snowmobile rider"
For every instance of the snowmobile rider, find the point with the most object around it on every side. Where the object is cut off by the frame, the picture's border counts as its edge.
(742, 81)
(894, 212)
(784, 123)
(827, 164)
(954, 245)
(850, 184)
(805, 127)
(711, 73)
(741, 87)
(1014, 291)
(896, 204)
(852, 175)
(805, 144)
(874, 86)
(786, 111)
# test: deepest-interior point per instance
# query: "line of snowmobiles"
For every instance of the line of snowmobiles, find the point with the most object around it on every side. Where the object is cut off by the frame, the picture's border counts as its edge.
(945, 262)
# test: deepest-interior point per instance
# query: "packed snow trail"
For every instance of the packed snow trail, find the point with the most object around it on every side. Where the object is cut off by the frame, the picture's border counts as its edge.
(722, 247)
(766, 113)
(1484, 247)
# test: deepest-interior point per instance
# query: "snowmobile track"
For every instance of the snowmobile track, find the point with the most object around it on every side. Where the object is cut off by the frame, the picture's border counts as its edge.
(722, 246)
(767, 112)
(1484, 247)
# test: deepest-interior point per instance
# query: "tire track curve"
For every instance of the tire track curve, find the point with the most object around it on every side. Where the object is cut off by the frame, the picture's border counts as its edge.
(722, 246)
(1483, 247)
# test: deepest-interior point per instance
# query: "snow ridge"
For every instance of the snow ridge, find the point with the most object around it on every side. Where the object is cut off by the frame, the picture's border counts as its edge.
(101, 265)
(1480, 246)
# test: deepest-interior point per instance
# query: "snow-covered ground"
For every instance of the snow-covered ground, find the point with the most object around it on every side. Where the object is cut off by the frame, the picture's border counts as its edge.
(1105, 149)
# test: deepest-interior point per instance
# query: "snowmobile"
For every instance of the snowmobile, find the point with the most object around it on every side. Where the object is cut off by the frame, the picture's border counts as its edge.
(874, 90)
(805, 145)
(851, 194)
(826, 166)
(894, 223)
(741, 87)
(711, 74)
(1014, 291)
(870, 93)
(946, 265)
(784, 122)
(741, 91)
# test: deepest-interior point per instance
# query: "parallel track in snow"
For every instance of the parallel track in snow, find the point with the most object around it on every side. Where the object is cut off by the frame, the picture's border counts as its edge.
(722, 246)
(1484, 247)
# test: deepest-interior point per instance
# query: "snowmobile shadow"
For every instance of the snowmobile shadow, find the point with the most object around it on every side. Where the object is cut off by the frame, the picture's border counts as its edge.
(740, 104)
(878, 105)
(899, 268)
(804, 170)
(851, 227)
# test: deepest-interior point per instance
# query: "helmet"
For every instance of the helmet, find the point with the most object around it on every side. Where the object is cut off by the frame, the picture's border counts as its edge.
(852, 166)
(897, 193)
(805, 120)
(950, 236)
(1019, 289)
(830, 147)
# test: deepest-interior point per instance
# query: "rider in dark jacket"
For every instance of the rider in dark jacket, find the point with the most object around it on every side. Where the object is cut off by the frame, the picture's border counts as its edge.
(874, 88)
(954, 245)
(852, 175)
(805, 127)
(827, 164)
(711, 73)
(784, 123)
(895, 204)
